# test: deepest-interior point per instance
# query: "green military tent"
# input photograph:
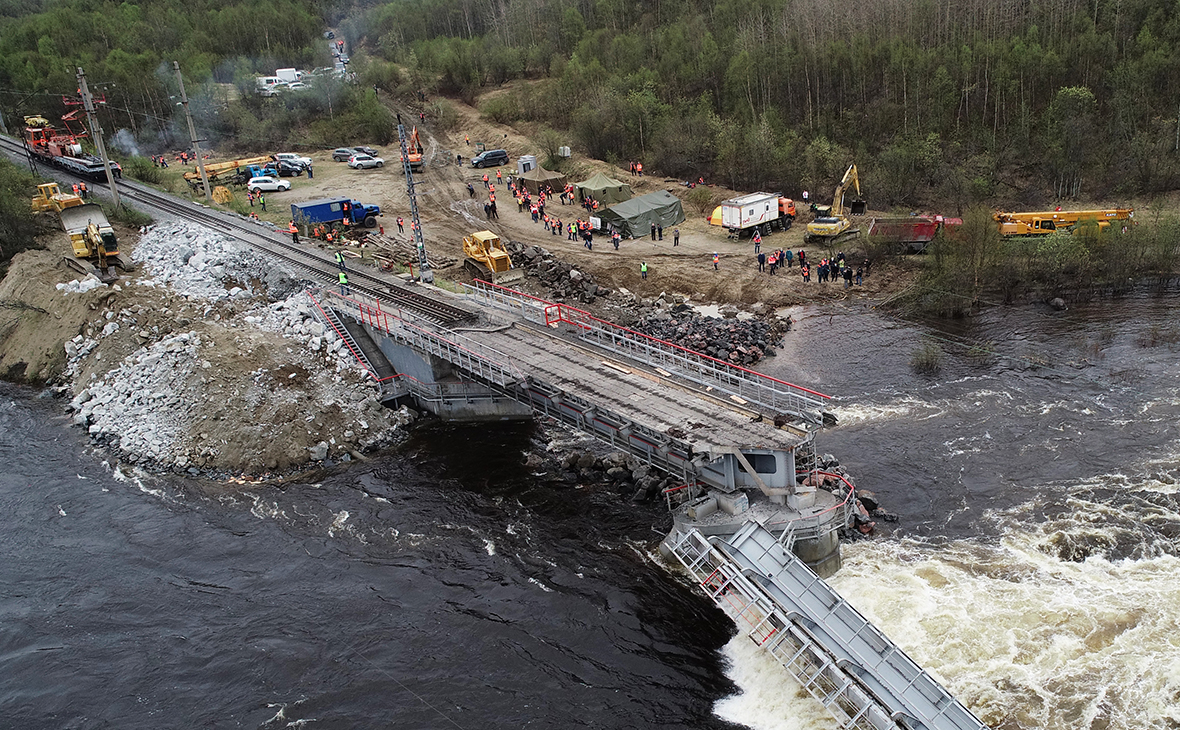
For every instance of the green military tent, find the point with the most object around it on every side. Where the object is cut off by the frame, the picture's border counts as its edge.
(633, 218)
(538, 178)
(606, 190)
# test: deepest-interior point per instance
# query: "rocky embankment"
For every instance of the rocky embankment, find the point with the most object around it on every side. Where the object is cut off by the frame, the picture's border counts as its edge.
(208, 360)
(741, 340)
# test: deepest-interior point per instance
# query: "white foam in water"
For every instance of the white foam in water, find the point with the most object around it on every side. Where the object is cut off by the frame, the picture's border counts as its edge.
(769, 698)
(1026, 639)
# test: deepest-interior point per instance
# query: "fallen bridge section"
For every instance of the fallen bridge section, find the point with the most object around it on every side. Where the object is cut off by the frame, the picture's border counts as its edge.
(863, 679)
(704, 438)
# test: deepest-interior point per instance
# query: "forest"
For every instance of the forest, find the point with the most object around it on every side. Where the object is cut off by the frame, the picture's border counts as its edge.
(948, 100)
(127, 50)
(939, 102)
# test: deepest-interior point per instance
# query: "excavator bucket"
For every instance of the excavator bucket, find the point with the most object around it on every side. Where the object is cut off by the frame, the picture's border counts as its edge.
(858, 207)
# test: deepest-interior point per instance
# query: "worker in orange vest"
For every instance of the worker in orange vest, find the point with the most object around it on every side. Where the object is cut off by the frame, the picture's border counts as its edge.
(716, 260)
(294, 233)
(485, 179)
(75, 188)
(499, 177)
(639, 168)
(83, 190)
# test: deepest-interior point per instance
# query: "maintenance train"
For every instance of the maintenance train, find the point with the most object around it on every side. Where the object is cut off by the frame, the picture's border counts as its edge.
(62, 148)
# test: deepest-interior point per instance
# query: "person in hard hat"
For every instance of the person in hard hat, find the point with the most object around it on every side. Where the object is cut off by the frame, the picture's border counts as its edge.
(344, 290)
(716, 261)
(340, 260)
(643, 269)
(294, 233)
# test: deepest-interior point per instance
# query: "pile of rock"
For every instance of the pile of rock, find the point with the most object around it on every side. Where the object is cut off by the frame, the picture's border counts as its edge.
(622, 471)
(294, 318)
(197, 262)
(563, 281)
(138, 406)
(739, 341)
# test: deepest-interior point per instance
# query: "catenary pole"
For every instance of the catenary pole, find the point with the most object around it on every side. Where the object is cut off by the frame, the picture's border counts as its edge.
(192, 134)
(96, 130)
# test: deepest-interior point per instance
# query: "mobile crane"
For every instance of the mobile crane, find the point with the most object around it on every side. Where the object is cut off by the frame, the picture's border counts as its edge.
(1046, 222)
(831, 224)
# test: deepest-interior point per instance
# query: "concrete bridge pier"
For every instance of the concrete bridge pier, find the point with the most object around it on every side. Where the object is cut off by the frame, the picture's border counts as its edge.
(436, 387)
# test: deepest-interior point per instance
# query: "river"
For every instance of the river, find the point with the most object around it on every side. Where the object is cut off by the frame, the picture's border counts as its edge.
(1033, 568)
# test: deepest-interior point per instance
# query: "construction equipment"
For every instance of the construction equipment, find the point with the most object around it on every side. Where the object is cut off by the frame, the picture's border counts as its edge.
(224, 170)
(93, 240)
(49, 197)
(913, 233)
(831, 224)
(1046, 222)
(414, 151)
(63, 149)
(95, 247)
(487, 257)
(335, 210)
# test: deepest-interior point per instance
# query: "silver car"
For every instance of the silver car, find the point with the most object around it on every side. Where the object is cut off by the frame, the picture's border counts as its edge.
(362, 161)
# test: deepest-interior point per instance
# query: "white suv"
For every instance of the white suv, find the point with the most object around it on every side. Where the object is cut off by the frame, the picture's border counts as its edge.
(293, 158)
(359, 161)
(267, 183)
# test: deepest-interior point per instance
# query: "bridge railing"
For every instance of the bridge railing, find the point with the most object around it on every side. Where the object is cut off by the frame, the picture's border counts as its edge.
(742, 384)
(475, 358)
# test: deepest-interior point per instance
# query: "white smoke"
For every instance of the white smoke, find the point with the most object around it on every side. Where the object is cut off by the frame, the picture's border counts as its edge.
(124, 141)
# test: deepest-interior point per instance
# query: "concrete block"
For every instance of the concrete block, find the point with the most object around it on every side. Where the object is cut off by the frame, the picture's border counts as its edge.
(734, 503)
(701, 507)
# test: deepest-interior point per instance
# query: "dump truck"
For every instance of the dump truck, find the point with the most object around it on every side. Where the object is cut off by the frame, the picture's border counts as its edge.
(93, 239)
(335, 210)
(757, 211)
(911, 234)
(1046, 222)
(488, 259)
(831, 223)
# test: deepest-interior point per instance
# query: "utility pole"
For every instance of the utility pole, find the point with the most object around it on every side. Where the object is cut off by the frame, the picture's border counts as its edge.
(425, 275)
(192, 133)
(88, 102)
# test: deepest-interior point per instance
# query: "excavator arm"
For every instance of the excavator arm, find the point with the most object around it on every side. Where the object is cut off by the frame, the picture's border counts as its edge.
(850, 177)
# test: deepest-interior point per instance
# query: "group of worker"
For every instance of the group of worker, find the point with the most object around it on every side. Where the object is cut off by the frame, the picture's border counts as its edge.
(637, 169)
(81, 191)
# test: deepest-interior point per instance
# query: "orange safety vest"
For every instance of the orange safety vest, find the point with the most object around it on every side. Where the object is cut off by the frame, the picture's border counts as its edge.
(292, 228)
(716, 258)
(485, 177)
(639, 167)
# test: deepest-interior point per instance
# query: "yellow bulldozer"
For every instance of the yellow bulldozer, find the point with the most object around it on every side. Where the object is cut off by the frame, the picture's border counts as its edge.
(49, 197)
(488, 259)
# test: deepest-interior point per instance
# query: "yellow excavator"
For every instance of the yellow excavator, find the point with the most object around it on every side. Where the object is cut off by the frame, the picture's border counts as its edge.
(487, 257)
(95, 247)
(831, 224)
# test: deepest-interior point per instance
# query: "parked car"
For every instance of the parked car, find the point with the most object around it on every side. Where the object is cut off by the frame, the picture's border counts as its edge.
(362, 161)
(329, 34)
(287, 169)
(297, 86)
(267, 184)
(293, 158)
(490, 158)
(366, 151)
(343, 154)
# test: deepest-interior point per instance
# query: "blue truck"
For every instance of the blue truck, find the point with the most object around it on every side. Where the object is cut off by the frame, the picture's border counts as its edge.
(335, 210)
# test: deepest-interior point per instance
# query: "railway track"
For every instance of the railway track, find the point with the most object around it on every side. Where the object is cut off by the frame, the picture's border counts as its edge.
(279, 247)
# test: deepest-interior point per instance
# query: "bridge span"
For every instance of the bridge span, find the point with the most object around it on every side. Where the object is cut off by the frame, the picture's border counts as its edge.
(726, 431)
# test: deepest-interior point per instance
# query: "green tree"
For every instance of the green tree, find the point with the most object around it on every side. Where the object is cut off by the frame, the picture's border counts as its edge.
(1071, 137)
(17, 225)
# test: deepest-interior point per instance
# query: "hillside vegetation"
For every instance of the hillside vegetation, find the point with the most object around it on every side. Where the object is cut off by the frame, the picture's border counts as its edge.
(127, 50)
(952, 100)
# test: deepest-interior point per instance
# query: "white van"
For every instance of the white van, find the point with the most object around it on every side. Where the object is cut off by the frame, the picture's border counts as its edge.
(266, 84)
